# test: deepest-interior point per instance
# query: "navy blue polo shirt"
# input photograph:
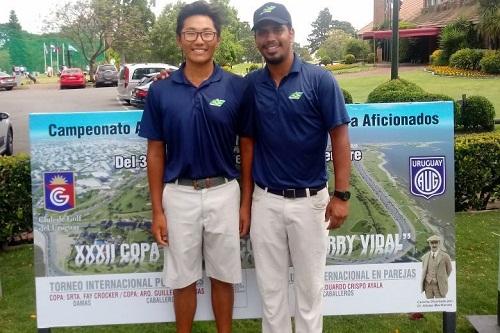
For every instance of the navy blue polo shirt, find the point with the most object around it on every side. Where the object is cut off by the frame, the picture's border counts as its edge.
(290, 125)
(199, 125)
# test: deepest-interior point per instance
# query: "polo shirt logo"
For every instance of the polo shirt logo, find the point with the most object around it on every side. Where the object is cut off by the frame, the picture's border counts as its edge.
(268, 9)
(296, 95)
(217, 102)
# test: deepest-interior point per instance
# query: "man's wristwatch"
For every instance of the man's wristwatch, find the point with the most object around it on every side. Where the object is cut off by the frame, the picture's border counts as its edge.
(344, 196)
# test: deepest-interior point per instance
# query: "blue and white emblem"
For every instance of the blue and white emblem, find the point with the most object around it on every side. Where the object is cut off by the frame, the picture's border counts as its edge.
(427, 176)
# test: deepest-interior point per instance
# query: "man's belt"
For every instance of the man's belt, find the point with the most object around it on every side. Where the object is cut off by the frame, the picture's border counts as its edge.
(293, 193)
(199, 184)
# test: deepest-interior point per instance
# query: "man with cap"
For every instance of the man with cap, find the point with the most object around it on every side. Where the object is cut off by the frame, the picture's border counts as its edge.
(295, 106)
(436, 268)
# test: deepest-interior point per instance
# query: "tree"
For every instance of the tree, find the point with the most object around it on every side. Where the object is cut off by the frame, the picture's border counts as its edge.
(163, 35)
(229, 51)
(302, 51)
(13, 38)
(489, 22)
(321, 27)
(97, 25)
(333, 47)
(357, 47)
(136, 21)
(457, 35)
(344, 26)
(13, 21)
(247, 41)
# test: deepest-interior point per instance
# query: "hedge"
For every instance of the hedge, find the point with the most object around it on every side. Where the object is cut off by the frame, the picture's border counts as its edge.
(477, 113)
(466, 59)
(15, 196)
(347, 96)
(491, 62)
(349, 59)
(383, 92)
(437, 58)
(477, 170)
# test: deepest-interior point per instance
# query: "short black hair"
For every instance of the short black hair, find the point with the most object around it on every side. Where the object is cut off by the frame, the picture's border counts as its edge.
(200, 7)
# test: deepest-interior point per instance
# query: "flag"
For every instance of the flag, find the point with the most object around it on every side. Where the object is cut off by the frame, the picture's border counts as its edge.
(52, 47)
(72, 48)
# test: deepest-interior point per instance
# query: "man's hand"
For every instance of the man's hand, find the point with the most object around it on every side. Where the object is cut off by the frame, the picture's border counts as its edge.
(244, 221)
(159, 229)
(336, 212)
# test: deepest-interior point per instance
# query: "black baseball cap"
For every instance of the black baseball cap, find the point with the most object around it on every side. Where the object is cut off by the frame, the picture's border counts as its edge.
(271, 11)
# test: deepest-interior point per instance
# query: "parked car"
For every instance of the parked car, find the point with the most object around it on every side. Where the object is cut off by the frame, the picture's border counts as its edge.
(131, 74)
(106, 75)
(6, 135)
(140, 92)
(7, 81)
(72, 77)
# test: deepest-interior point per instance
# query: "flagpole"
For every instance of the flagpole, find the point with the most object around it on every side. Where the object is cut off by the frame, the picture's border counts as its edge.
(51, 50)
(44, 58)
(63, 55)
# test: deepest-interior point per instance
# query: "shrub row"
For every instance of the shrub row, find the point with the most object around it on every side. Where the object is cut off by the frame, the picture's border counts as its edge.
(15, 196)
(476, 113)
(487, 61)
(477, 170)
(466, 59)
(491, 62)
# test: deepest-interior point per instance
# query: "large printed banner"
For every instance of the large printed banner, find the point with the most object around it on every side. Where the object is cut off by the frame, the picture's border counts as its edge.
(96, 262)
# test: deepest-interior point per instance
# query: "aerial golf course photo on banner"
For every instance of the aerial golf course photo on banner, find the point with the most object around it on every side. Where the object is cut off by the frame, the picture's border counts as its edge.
(96, 262)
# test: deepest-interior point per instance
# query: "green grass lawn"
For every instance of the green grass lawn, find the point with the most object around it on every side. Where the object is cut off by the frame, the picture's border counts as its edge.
(361, 86)
(477, 265)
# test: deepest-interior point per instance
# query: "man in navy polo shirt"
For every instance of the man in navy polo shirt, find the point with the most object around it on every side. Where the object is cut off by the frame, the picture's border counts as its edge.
(295, 107)
(191, 121)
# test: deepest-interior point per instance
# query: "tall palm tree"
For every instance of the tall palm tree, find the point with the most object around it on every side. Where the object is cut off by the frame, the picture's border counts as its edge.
(489, 22)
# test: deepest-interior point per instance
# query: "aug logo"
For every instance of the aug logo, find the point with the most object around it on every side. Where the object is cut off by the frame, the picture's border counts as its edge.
(428, 176)
(59, 188)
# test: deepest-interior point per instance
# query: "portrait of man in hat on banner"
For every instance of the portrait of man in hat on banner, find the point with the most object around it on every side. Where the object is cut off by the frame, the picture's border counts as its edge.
(436, 268)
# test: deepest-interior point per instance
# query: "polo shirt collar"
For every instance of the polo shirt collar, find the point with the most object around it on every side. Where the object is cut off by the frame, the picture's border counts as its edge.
(179, 77)
(296, 66)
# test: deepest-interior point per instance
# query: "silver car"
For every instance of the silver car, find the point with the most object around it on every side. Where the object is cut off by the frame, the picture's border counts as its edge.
(6, 135)
(131, 74)
(7, 81)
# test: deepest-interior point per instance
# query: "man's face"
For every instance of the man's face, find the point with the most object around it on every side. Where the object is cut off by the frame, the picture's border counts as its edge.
(434, 245)
(198, 39)
(274, 41)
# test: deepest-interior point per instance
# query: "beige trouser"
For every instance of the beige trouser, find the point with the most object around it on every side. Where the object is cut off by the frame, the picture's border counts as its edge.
(202, 224)
(295, 227)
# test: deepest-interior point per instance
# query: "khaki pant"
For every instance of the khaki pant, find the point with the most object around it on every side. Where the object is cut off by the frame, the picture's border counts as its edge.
(202, 224)
(290, 227)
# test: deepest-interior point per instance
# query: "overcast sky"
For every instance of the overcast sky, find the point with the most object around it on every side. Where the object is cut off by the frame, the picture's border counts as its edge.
(358, 12)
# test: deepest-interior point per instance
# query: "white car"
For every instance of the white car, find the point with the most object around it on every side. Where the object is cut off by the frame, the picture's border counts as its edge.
(6, 135)
(131, 74)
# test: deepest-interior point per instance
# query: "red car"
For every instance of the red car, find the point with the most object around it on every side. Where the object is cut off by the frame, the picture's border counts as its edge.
(72, 77)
